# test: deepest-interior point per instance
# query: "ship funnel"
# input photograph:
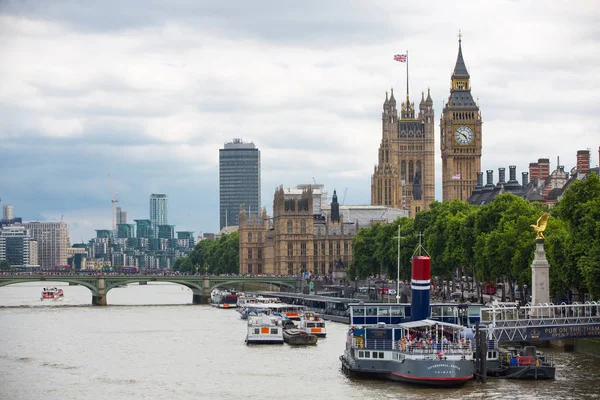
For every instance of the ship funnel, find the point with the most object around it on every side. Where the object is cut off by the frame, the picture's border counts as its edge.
(420, 284)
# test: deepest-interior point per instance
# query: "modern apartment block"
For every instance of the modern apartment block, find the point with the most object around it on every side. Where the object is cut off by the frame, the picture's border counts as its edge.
(159, 205)
(53, 242)
(121, 216)
(7, 212)
(239, 181)
(17, 247)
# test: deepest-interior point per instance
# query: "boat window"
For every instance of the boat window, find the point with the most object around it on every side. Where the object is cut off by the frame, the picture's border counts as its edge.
(321, 324)
(256, 331)
(397, 311)
(380, 354)
(385, 311)
(358, 311)
(474, 311)
(372, 311)
(273, 331)
(361, 354)
(436, 311)
(367, 354)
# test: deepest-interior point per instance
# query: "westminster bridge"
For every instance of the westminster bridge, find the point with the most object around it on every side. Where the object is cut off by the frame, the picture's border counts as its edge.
(200, 285)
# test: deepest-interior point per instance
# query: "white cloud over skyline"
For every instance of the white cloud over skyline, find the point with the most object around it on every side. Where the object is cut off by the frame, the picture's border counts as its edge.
(149, 91)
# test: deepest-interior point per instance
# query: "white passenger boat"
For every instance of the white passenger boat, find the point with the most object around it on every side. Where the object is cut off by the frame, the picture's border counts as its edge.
(311, 322)
(224, 298)
(264, 329)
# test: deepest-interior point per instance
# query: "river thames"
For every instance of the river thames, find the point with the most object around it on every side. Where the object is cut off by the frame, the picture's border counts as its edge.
(151, 342)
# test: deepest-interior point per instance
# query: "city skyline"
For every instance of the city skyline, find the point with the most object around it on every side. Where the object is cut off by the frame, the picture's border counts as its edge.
(304, 82)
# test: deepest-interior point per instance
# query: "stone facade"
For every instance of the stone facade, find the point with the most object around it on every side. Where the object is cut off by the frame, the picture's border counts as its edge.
(296, 240)
(460, 136)
(404, 176)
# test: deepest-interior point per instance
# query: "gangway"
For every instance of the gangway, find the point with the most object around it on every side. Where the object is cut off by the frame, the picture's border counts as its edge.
(512, 323)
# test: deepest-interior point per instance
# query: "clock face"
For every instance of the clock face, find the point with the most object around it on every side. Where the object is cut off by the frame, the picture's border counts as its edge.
(464, 135)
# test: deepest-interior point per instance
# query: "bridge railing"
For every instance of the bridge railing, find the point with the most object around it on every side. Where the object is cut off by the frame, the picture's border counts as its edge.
(511, 314)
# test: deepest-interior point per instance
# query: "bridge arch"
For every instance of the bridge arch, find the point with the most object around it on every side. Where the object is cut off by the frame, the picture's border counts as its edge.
(79, 280)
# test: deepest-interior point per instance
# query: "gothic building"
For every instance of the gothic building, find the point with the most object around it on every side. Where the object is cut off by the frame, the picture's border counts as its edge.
(404, 176)
(460, 136)
(298, 239)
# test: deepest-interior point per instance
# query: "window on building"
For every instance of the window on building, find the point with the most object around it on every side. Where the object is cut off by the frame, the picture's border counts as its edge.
(316, 267)
(411, 171)
(260, 269)
(330, 267)
(302, 249)
(303, 226)
(289, 226)
(249, 237)
(290, 249)
(316, 248)
(259, 237)
(345, 247)
(303, 267)
(290, 269)
(330, 248)
(260, 254)
(249, 268)
(337, 248)
(249, 254)
(322, 268)
(403, 170)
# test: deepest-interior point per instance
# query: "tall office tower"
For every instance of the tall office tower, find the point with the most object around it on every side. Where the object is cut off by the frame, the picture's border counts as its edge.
(15, 246)
(159, 204)
(239, 181)
(460, 136)
(7, 212)
(53, 242)
(121, 216)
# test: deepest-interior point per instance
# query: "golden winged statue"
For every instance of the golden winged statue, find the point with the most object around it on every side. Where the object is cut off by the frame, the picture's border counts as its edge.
(541, 225)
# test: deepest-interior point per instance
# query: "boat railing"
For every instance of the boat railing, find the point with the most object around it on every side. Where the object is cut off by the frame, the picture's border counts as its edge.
(434, 348)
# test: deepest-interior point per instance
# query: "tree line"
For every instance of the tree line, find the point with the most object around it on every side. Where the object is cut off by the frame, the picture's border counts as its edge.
(212, 256)
(494, 242)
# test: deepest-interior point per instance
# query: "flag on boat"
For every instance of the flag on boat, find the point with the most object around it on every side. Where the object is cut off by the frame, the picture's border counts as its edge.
(400, 57)
(456, 177)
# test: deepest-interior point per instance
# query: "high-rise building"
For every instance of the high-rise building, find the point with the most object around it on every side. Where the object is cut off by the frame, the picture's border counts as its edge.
(53, 242)
(159, 207)
(404, 177)
(7, 212)
(121, 216)
(16, 246)
(460, 134)
(239, 181)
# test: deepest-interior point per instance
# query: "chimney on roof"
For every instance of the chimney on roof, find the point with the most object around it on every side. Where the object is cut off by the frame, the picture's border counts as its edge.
(583, 162)
(501, 175)
(525, 176)
(480, 179)
(544, 168)
(490, 177)
(512, 174)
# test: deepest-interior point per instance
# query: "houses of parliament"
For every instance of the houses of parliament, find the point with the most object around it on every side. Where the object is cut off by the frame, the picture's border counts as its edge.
(307, 234)
(404, 176)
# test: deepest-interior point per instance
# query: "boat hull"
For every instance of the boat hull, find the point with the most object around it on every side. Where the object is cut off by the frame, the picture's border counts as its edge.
(439, 373)
(298, 337)
(532, 372)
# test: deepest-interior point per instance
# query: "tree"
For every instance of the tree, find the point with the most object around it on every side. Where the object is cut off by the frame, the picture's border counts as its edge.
(4, 264)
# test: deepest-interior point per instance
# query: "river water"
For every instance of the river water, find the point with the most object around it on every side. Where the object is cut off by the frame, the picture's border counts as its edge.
(151, 342)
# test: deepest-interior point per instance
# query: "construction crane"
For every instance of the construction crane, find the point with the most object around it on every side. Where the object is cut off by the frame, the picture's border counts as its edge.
(344, 198)
(113, 201)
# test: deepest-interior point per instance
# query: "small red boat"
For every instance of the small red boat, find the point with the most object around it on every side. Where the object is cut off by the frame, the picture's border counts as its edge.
(52, 294)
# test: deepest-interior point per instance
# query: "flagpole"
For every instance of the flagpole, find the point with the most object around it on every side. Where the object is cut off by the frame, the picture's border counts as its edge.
(407, 73)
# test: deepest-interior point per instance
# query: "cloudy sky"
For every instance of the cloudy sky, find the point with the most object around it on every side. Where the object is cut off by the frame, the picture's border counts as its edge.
(149, 90)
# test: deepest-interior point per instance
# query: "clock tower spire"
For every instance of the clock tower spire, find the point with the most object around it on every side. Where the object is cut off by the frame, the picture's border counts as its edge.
(460, 135)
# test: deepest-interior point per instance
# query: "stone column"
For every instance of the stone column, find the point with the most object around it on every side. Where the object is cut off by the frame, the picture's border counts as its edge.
(540, 277)
(100, 299)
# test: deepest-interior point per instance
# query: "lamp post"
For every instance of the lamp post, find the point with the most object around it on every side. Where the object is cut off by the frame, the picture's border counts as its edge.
(398, 267)
(525, 294)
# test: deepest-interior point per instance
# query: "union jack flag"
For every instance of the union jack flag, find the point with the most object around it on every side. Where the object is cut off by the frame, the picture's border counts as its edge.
(400, 57)
(456, 177)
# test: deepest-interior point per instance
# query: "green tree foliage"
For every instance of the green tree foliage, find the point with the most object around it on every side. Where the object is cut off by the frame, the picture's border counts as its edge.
(579, 208)
(4, 264)
(495, 241)
(213, 256)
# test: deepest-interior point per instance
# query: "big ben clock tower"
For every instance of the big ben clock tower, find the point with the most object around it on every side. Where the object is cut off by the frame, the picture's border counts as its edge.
(460, 136)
